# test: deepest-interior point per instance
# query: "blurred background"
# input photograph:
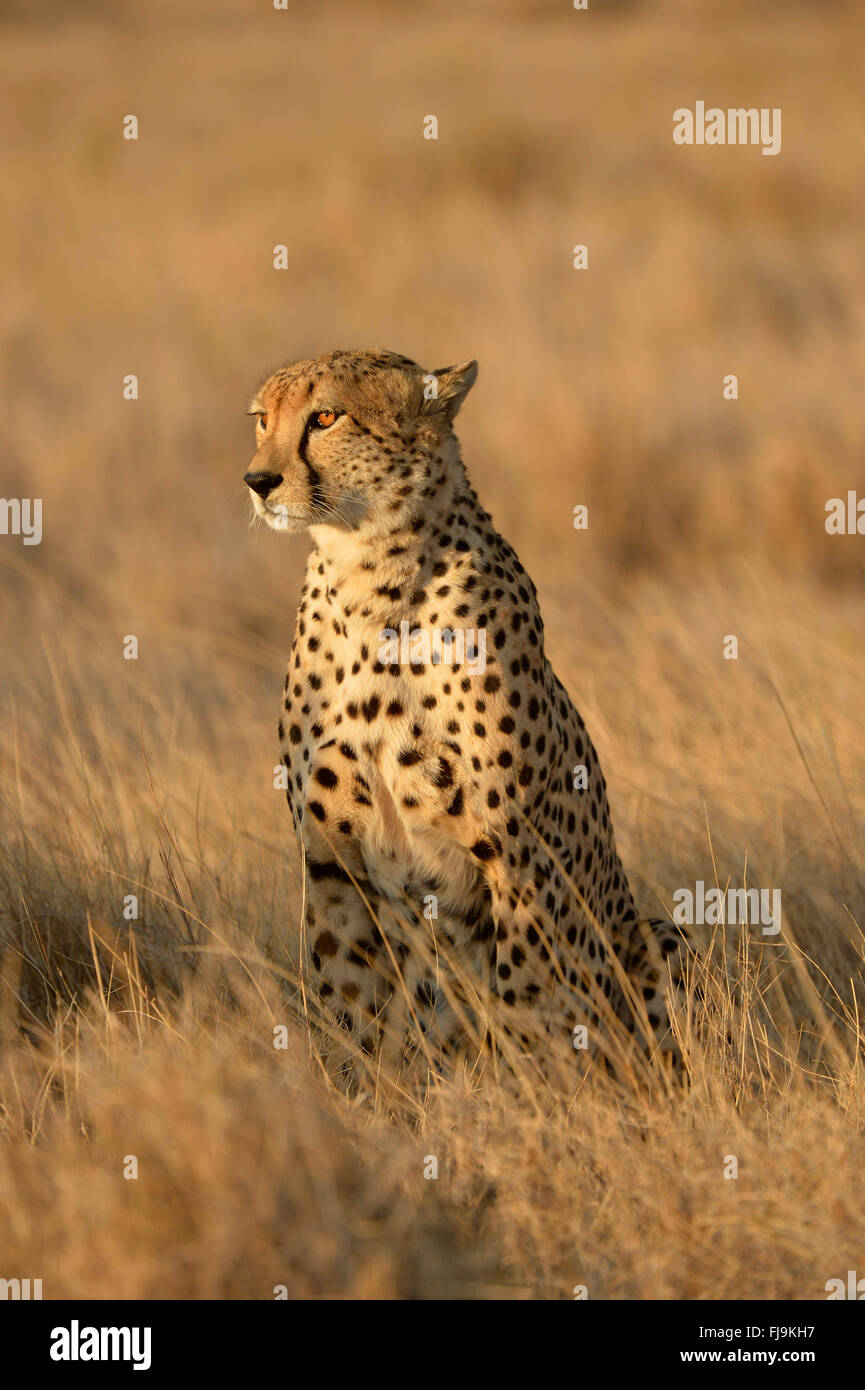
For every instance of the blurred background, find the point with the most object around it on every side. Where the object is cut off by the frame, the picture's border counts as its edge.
(600, 387)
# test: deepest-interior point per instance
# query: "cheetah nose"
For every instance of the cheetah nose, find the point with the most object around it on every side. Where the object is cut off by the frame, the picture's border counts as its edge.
(262, 483)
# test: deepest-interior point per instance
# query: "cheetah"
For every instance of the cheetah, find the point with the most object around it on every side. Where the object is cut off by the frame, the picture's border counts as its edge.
(451, 855)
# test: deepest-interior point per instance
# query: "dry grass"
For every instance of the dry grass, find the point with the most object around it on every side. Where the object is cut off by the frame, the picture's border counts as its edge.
(154, 776)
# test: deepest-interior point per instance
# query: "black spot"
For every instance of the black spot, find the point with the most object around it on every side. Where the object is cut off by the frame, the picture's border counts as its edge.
(443, 776)
(319, 871)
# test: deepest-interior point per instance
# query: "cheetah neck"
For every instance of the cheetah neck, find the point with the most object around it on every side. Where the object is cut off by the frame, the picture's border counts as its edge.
(378, 572)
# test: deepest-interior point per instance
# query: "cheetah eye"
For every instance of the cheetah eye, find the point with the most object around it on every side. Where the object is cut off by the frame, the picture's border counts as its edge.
(323, 419)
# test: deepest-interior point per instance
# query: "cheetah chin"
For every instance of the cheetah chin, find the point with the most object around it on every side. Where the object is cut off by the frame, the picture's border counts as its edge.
(278, 518)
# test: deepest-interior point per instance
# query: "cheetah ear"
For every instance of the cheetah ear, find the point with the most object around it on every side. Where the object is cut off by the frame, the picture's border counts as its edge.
(446, 388)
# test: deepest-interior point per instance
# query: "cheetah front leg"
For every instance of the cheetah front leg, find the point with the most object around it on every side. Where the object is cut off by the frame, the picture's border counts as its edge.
(554, 996)
(659, 961)
(376, 991)
(349, 977)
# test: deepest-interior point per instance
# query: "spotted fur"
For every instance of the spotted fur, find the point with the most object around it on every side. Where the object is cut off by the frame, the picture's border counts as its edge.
(426, 783)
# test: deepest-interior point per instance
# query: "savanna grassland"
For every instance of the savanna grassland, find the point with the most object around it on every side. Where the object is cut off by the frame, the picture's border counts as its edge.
(602, 387)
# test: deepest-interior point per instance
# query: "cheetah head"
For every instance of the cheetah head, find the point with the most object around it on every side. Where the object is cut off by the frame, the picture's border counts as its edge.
(351, 439)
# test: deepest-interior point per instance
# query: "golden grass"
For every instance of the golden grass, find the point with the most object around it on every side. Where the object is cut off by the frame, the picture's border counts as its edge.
(154, 776)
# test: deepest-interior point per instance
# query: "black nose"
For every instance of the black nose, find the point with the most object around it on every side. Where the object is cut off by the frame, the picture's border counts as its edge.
(262, 483)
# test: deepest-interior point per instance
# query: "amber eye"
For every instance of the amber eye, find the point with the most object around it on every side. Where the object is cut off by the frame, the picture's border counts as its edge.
(323, 419)
(262, 421)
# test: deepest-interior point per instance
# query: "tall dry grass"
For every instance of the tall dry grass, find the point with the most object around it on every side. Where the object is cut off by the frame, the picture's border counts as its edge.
(154, 776)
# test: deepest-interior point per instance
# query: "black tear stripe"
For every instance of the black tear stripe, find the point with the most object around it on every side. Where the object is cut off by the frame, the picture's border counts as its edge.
(316, 496)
